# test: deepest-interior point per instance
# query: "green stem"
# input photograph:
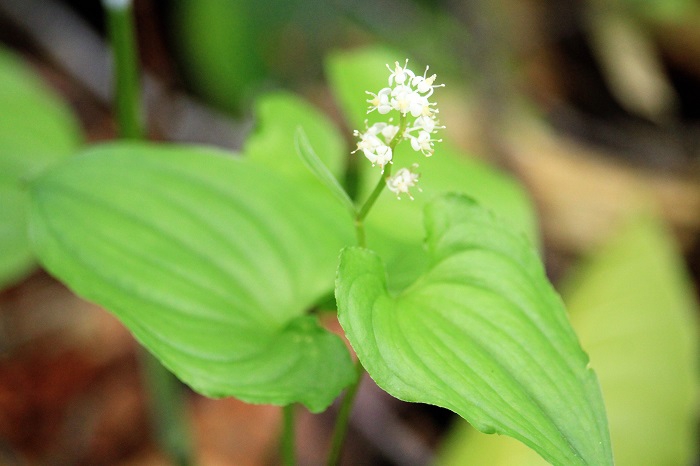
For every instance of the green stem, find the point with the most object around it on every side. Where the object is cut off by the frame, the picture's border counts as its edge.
(341, 424)
(288, 455)
(369, 203)
(166, 406)
(120, 26)
(164, 390)
(343, 419)
(362, 213)
(367, 206)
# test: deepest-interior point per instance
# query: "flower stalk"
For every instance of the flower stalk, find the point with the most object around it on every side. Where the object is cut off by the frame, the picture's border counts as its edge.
(127, 95)
(288, 435)
(408, 95)
(164, 390)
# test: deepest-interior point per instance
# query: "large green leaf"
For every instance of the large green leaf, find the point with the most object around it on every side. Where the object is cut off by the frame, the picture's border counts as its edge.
(481, 333)
(36, 131)
(636, 315)
(210, 261)
(278, 117)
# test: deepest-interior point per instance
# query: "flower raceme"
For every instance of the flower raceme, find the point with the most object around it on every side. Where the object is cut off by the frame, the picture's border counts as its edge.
(408, 94)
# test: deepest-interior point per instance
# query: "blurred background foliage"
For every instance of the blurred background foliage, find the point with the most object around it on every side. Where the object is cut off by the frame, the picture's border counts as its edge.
(592, 105)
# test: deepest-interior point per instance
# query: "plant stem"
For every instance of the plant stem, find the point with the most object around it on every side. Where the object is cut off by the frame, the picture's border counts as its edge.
(341, 424)
(120, 25)
(369, 203)
(288, 455)
(167, 416)
(165, 392)
(367, 206)
(343, 419)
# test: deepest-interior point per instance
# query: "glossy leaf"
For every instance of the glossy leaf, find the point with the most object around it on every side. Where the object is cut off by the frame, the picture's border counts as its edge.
(278, 117)
(319, 169)
(481, 333)
(633, 308)
(210, 261)
(36, 131)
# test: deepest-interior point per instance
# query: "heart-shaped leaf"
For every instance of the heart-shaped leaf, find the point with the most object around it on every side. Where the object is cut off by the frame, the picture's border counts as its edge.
(210, 261)
(482, 333)
(636, 315)
(36, 131)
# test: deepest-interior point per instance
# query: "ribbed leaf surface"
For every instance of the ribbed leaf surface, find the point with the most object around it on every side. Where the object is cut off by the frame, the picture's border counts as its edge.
(636, 313)
(36, 131)
(210, 261)
(481, 332)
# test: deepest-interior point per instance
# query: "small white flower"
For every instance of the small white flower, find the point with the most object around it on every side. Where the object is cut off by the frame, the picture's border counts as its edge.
(406, 100)
(421, 106)
(373, 147)
(423, 143)
(425, 123)
(403, 181)
(386, 130)
(372, 133)
(381, 155)
(424, 84)
(367, 142)
(379, 101)
(400, 74)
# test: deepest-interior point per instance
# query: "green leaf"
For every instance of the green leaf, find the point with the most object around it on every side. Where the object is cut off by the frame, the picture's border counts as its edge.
(635, 312)
(279, 115)
(352, 73)
(216, 40)
(209, 260)
(481, 333)
(36, 131)
(394, 226)
(314, 164)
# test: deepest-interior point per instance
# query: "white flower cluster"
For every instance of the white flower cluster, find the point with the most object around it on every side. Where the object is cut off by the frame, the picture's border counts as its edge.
(403, 181)
(409, 95)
